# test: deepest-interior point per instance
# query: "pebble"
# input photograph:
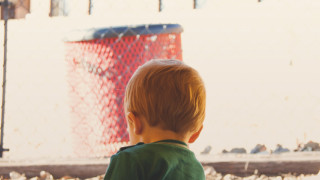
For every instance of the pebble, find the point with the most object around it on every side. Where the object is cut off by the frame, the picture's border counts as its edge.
(17, 176)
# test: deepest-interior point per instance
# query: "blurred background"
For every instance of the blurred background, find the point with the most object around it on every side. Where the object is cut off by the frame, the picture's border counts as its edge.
(259, 60)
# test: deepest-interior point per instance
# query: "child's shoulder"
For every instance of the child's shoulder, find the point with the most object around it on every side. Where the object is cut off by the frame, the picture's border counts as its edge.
(129, 148)
(154, 150)
(135, 150)
(130, 151)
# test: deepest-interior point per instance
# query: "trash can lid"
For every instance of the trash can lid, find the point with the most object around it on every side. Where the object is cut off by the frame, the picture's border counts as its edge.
(122, 31)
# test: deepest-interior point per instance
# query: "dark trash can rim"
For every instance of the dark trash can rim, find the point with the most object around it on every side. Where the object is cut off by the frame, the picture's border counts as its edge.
(122, 31)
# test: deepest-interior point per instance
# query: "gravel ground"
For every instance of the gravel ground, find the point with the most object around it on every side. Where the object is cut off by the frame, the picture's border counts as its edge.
(211, 174)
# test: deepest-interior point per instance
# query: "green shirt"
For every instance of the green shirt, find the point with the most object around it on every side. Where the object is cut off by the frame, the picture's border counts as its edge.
(162, 160)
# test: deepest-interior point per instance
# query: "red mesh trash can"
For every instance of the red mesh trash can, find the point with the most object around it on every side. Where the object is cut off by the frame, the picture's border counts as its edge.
(100, 63)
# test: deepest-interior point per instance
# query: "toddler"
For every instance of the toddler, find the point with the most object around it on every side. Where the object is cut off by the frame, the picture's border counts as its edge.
(164, 106)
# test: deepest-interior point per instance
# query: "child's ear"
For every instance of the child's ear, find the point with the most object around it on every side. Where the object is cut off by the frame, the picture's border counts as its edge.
(195, 135)
(135, 122)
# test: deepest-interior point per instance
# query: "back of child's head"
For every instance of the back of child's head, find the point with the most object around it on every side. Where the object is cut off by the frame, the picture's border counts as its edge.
(168, 94)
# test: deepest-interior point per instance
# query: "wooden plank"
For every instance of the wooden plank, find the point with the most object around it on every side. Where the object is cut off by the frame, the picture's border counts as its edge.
(270, 168)
(268, 164)
(58, 171)
(82, 168)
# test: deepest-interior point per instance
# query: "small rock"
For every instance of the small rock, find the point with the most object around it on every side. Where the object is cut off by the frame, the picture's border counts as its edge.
(68, 178)
(209, 170)
(311, 146)
(206, 150)
(259, 149)
(279, 149)
(35, 178)
(252, 177)
(45, 176)
(17, 176)
(224, 151)
(238, 151)
(235, 151)
(278, 178)
(101, 177)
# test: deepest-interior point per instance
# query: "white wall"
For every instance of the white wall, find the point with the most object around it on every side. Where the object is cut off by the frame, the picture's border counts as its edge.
(259, 62)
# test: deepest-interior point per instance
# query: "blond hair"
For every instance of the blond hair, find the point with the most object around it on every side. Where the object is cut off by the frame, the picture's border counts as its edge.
(167, 93)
